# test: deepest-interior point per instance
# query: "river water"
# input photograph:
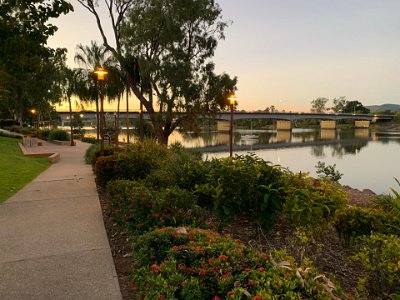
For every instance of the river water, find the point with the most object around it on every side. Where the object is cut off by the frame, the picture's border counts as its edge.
(367, 159)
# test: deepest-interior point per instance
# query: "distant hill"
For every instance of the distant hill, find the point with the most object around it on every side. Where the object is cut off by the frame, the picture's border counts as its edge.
(375, 108)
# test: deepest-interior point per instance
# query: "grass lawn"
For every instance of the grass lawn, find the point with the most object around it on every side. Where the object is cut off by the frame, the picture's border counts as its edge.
(17, 170)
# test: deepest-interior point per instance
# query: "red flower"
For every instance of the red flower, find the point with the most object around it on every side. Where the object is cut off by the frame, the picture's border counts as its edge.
(188, 270)
(161, 297)
(216, 297)
(257, 298)
(230, 293)
(211, 260)
(202, 272)
(261, 269)
(181, 266)
(247, 270)
(155, 268)
(223, 258)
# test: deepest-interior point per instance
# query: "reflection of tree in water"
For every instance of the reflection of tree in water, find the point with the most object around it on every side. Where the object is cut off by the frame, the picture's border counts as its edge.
(341, 149)
(318, 151)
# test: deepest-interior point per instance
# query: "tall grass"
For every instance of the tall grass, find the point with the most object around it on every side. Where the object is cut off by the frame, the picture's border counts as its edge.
(17, 170)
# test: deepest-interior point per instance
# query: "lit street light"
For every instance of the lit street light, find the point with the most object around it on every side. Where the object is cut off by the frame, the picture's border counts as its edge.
(232, 100)
(101, 74)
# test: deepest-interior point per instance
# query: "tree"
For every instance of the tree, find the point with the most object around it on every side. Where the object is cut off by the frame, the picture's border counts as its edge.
(25, 74)
(91, 57)
(339, 104)
(319, 105)
(355, 107)
(165, 48)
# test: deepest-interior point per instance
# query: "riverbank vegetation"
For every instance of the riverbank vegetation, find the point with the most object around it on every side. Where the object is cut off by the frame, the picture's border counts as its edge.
(17, 169)
(242, 228)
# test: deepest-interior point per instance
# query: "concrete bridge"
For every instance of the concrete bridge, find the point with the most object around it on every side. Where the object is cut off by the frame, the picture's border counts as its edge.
(283, 120)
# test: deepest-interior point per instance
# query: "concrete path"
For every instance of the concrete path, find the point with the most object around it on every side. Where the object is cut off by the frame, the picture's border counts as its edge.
(53, 244)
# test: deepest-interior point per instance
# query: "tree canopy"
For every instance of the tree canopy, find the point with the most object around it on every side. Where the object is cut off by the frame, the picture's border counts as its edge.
(319, 105)
(27, 65)
(165, 49)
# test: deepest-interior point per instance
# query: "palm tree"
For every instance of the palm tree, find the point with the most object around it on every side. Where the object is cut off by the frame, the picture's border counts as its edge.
(91, 57)
(70, 87)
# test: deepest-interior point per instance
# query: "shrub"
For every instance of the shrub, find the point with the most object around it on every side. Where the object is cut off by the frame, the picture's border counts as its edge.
(23, 130)
(142, 209)
(313, 203)
(93, 152)
(243, 185)
(379, 255)
(58, 135)
(354, 222)
(44, 134)
(89, 140)
(104, 169)
(7, 123)
(328, 171)
(185, 263)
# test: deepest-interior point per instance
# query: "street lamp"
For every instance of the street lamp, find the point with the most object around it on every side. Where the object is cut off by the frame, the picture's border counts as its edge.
(101, 74)
(232, 100)
(35, 122)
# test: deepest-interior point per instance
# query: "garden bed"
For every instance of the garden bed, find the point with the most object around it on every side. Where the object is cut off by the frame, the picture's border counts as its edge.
(334, 260)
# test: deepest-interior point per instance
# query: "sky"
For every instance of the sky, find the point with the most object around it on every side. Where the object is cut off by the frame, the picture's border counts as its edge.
(287, 53)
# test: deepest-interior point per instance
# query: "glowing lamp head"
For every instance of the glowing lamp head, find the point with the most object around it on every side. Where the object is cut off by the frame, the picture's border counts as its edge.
(232, 99)
(33, 111)
(101, 73)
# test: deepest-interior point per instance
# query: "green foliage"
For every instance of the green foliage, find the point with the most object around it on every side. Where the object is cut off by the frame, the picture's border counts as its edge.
(243, 185)
(328, 171)
(142, 209)
(93, 152)
(6, 123)
(58, 135)
(379, 256)
(17, 169)
(28, 78)
(89, 140)
(313, 203)
(185, 263)
(44, 134)
(104, 169)
(181, 38)
(319, 105)
(22, 130)
(357, 221)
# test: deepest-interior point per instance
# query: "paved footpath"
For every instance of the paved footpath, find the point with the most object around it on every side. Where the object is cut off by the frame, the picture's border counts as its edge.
(53, 244)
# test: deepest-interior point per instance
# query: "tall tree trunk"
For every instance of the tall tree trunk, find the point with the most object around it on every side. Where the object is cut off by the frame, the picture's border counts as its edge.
(97, 119)
(117, 121)
(127, 114)
(70, 121)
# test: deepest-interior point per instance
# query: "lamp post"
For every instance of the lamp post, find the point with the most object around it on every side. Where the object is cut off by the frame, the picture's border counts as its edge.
(101, 74)
(232, 100)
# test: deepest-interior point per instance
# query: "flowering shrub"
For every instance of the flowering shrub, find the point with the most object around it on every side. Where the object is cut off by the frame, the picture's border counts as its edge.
(186, 263)
(143, 209)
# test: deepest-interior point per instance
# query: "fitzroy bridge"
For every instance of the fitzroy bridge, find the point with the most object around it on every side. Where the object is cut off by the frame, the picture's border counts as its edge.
(283, 119)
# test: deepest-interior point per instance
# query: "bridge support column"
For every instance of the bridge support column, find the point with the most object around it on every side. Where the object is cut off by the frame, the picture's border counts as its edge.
(327, 124)
(223, 126)
(361, 124)
(283, 125)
